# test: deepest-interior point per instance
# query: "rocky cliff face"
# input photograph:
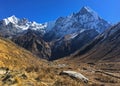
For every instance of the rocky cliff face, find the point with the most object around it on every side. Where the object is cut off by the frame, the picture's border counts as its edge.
(70, 43)
(32, 41)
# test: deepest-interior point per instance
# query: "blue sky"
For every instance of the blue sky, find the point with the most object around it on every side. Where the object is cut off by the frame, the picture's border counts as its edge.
(47, 10)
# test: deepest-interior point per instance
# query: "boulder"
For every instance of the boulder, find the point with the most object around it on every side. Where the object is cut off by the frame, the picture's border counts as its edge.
(75, 75)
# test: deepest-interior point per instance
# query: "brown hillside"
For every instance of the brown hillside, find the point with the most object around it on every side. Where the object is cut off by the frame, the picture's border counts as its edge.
(14, 57)
(18, 67)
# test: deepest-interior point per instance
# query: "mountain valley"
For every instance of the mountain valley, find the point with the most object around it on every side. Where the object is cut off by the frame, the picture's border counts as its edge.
(81, 49)
(66, 34)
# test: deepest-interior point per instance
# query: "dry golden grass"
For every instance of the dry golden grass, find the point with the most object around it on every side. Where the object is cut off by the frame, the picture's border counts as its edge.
(27, 70)
(14, 57)
(99, 74)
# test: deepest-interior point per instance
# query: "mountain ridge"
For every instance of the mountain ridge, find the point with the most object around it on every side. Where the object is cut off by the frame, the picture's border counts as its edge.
(105, 47)
(65, 29)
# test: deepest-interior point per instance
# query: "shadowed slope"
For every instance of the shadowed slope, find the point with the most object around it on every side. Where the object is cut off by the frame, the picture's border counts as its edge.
(105, 47)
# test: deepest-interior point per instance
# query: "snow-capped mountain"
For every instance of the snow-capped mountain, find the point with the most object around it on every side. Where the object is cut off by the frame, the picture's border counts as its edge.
(75, 31)
(64, 35)
(85, 19)
(13, 25)
(11, 19)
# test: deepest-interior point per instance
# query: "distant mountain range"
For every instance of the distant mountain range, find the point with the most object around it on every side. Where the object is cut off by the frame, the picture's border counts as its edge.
(56, 39)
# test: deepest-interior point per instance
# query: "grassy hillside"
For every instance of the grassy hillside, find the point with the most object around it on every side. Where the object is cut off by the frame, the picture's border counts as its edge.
(18, 67)
(14, 57)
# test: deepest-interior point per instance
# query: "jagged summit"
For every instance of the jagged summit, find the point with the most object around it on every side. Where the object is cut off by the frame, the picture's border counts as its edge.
(13, 19)
(13, 16)
(13, 25)
(87, 10)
